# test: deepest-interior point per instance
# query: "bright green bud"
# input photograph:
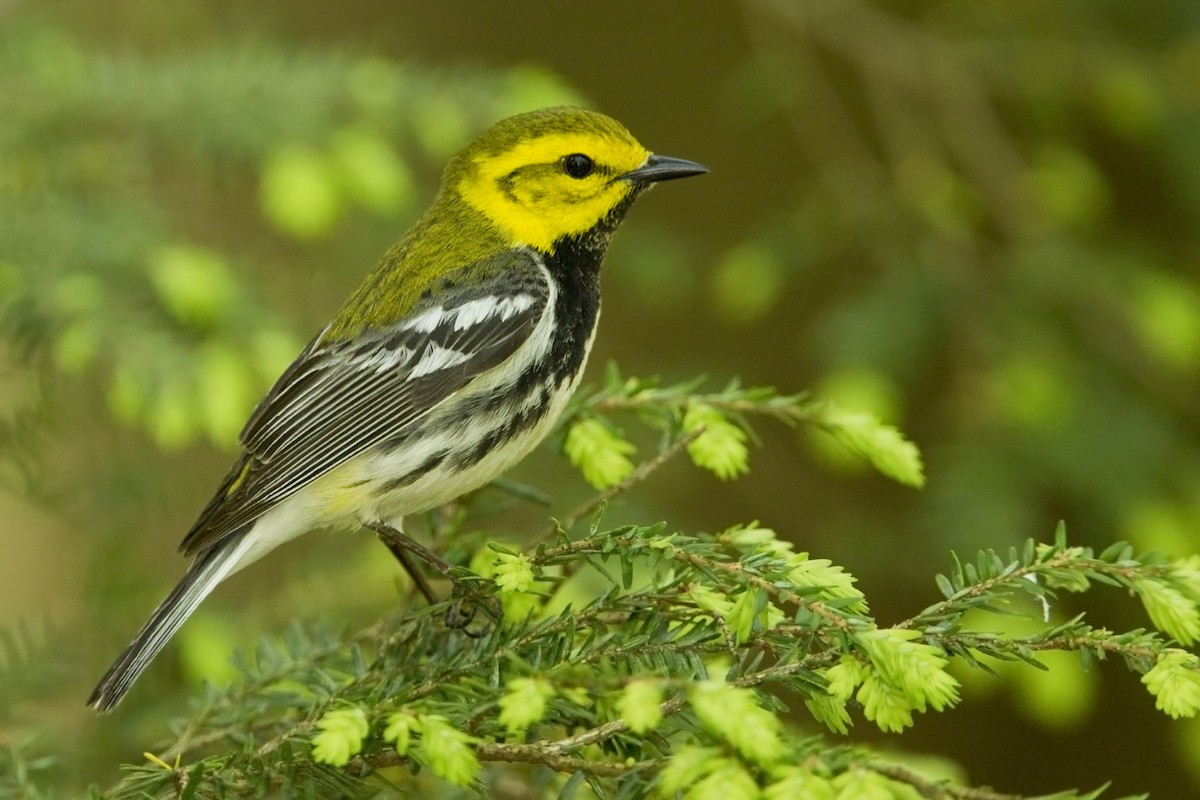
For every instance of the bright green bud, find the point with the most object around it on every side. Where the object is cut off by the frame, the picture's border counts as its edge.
(904, 676)
(863, 784)
(752, 612)
(823, 574)
(755, 539)
(639, 704)
(845, 676)
(512, 572)
(399, 730)
(447, 751)
(730, 780)
(1171, 610)
(710, 600)
(687, 765)
(829, 710)
(733, 713)
(1174, 680)
(1186, 574)
(882, 445)
(916, 669)
(524, 703)
(885, 704)
(501, 559)
(796, 783)
(721, 448)
(600, 453)
(341, 736)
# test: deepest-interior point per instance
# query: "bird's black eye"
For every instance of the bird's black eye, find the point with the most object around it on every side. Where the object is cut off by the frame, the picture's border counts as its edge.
(577, 165)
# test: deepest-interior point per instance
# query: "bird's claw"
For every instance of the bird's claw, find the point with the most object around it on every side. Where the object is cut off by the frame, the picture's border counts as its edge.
(464, 609)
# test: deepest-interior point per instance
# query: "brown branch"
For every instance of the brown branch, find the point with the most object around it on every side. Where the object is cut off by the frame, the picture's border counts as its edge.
(511, 754)
(555, 755)
(935, 790)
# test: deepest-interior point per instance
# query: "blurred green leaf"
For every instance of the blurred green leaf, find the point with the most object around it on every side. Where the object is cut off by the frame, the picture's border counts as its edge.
(371, 173)
(194, 284)
(299, 191)
(746, 284)
(1165, 313)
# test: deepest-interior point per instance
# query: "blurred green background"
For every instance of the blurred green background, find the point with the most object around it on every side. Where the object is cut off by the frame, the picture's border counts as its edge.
(976, 219)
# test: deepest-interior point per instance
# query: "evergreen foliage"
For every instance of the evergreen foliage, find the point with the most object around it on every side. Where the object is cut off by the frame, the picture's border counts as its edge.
(708, 663)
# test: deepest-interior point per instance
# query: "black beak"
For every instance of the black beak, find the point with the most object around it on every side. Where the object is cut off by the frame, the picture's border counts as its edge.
(663, 168)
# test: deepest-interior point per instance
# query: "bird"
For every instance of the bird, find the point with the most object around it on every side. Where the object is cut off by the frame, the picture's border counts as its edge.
(446, 366)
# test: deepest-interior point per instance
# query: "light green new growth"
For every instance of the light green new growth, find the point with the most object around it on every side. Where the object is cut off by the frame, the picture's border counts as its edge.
(599, 453)
(512, 572)
(865, 784)
(639, 705)
(752, 613)
(710, 600)
(446, 750)
(734, 715)
(433, 741)
(398, 732)
(341, 736)
(1174, 680)
(830, 710)
(514, 577)
(882, 445)
(687, 765)
(524, 703)
(829, 579)
(796, 783)
(730, 779)
(1172, 611)
(719, 446)
(806, 575)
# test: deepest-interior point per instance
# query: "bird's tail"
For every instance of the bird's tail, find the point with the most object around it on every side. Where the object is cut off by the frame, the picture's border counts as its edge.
(209, 569)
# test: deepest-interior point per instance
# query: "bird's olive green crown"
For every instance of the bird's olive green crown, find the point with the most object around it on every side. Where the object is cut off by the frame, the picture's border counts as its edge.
(530, 180)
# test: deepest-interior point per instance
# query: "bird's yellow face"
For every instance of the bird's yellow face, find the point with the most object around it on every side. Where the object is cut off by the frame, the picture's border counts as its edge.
(553, 184)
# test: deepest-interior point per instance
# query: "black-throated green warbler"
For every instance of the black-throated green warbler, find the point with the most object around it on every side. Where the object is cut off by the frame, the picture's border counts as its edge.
(446, 366)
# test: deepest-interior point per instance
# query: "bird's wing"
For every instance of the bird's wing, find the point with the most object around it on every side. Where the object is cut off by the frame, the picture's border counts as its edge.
(339, 398)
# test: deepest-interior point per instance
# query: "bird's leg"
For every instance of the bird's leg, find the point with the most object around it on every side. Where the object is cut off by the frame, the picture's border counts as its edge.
(462, 611)
(402, 556)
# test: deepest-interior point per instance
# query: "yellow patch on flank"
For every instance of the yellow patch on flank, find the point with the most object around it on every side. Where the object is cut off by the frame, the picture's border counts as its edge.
(539, 206)
(342, 490)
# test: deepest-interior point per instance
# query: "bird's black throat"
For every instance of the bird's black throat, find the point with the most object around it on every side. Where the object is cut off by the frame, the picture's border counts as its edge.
(574, 263)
